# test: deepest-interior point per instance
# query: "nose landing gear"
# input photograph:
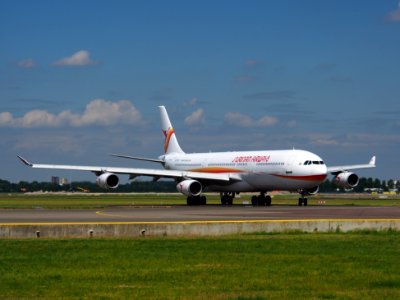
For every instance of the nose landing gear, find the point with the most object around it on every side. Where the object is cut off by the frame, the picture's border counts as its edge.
(303, 200)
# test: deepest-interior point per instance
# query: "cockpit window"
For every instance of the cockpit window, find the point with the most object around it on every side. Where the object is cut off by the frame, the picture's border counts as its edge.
(314, 162)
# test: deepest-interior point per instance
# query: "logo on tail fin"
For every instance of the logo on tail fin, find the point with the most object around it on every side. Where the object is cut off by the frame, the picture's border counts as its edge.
(168, 134)
(171, 144)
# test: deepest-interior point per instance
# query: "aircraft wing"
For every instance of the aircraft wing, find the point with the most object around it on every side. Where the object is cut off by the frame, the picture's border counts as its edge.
(339, 169)
(137, 171)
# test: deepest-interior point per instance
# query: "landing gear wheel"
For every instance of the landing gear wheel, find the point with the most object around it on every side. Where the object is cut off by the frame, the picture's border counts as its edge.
(268, 200)
(261, 200)
(303, 201)
(227, 198)
(224, 199)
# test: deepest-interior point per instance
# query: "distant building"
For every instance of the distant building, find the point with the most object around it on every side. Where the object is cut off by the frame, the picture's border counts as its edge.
(55, 179)
(64, 181)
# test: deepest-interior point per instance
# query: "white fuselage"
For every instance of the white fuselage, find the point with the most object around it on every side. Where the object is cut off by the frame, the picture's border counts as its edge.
(259, 170)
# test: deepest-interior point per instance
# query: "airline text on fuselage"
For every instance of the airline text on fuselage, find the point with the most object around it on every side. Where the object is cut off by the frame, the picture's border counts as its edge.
(251, 158)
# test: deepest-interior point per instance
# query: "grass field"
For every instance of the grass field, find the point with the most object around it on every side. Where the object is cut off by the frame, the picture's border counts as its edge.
(363, 265)
(79, 200)
(103, 200)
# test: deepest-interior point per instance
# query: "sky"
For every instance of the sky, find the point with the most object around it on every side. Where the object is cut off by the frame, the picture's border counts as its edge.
(82, 79)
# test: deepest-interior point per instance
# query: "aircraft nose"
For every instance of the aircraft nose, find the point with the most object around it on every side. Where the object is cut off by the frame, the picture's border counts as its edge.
(324, 170)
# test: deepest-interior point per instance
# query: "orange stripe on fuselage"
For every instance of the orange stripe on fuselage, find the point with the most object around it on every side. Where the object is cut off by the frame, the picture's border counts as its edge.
(216, 170)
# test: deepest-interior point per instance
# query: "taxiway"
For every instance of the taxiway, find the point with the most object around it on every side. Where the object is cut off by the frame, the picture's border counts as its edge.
(195, 213)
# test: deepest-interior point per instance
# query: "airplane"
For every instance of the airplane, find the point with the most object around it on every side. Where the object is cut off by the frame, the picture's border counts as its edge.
(229, 173)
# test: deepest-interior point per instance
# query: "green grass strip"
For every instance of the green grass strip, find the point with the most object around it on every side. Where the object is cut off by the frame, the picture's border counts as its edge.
(360, 265)
(95, 201)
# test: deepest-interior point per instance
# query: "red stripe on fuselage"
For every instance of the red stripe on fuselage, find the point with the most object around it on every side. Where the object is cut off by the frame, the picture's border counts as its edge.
(319, 177)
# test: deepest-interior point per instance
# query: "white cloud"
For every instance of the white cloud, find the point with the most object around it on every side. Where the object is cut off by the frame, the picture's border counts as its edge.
(266, 121)
(242, 120)
(292, 123)
(97, 112)
(80, 58)
(325, 142)
(27, 63)
(252, 62)
(191, 102)
(6, 119)
(245, 78)
(394, 16)
(196, 118)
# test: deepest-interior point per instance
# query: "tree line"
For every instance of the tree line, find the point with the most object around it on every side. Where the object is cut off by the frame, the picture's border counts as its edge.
(168, 186)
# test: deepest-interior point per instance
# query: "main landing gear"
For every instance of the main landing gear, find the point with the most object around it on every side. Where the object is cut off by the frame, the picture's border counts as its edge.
(261, 200)
(227, 198)
(196, 200)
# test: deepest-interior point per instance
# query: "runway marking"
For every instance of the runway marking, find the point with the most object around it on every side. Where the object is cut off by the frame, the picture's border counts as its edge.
(102, 213)
(199, 222)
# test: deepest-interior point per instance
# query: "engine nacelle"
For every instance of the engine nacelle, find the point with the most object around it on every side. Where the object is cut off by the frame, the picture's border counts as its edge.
(107, 181)
(190, 187)
(346, 180)
(313, 191)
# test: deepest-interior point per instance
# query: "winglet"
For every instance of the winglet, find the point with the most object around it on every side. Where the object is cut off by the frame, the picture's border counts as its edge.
(24, 161)
(372, 161)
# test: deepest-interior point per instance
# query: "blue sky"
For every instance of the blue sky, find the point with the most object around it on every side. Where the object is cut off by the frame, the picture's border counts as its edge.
(80, 79)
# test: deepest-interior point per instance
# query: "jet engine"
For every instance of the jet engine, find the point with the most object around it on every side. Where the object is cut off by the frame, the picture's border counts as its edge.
(346, 180)
(312, 191)
(107, 181)
(190, 187)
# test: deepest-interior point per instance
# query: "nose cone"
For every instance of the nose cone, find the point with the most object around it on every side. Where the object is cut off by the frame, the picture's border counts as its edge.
(323, 170)
(318, 173)
(318, 168)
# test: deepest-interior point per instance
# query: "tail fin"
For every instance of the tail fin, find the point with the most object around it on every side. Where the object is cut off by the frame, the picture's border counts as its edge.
(171, 144)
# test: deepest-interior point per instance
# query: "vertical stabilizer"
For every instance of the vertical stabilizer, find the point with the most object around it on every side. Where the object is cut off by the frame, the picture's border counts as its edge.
(171, 144)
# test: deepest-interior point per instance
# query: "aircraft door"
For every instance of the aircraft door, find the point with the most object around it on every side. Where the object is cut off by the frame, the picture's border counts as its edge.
(289, 165)
(204, 163)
